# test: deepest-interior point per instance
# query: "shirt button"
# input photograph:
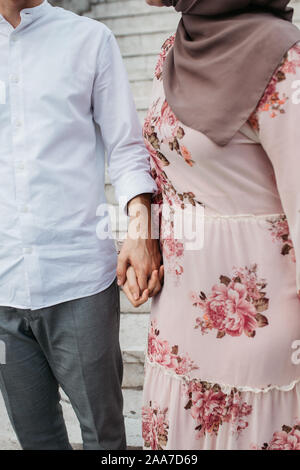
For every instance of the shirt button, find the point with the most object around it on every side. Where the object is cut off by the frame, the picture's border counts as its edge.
(13, 39)
(28, 250)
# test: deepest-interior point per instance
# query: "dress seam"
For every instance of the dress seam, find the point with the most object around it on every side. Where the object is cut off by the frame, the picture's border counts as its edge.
(226, 388)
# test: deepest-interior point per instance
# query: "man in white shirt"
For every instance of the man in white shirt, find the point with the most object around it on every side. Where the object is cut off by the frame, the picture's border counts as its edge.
(65, 101)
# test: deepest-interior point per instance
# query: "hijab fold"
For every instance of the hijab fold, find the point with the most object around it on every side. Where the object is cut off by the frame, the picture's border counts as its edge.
(224, 55)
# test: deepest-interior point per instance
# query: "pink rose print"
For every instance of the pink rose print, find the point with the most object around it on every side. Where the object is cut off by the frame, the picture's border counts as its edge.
(210, 407)
(234, 306)
(286, 439)
(172, 248)
(161, 125)
(155, 426)
(162, 353)
(167, 124)
(281, 233)
(228, 311)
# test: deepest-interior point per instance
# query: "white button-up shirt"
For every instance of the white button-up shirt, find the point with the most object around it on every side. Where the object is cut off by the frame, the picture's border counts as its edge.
(64, 101)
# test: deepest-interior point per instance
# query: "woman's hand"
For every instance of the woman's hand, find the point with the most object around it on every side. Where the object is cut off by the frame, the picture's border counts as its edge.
(132, 290)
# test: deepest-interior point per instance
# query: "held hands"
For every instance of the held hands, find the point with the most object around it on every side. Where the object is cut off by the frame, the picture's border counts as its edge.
(132, 289)
(139, 271)
(139, 268)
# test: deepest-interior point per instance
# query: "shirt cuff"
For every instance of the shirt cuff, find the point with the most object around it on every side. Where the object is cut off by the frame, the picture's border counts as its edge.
(132, 185)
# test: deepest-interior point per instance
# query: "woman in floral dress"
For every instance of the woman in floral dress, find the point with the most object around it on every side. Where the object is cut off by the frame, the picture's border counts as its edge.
(222, 367)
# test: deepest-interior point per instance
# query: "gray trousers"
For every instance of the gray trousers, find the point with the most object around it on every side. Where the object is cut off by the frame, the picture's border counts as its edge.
(75, 345)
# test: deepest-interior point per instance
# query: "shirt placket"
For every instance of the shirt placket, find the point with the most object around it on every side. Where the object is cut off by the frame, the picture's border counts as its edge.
(21, 160)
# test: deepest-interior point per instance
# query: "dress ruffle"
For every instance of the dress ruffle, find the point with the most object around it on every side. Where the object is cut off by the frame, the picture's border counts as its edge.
(187, 414)
(226, 388)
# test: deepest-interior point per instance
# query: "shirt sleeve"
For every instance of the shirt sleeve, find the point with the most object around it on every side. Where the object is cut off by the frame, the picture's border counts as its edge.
(277, 121)
(115, 113)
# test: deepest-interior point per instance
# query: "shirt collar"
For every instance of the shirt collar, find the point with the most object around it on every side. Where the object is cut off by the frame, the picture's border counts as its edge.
(34, 12)
(38, 11)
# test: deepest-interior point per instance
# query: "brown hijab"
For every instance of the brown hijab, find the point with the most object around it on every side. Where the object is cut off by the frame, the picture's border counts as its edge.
(224, 56)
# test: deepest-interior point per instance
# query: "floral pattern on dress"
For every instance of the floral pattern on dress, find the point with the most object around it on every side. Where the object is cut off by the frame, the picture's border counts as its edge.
(173, 251)
(286, 439)
(280, 232)
(210, 407)
(167, 45)
(165, 188)
(160, 352)
(172, 248)
(161, 127)
(272, 101)
(155, 426)
(235, 305)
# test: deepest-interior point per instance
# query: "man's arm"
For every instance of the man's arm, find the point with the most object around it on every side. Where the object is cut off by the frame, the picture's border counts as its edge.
(139, 250)
(128, 160)
(114, 111)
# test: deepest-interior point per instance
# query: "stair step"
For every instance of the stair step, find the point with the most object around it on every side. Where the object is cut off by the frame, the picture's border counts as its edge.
(142, 88)
(133, 377)
(128, 308)
(143, 42)
(141, 91)
(141, 67)
(133, 332)
(296, 5)
(142, 103)
(142, 114)
(142, 23)
(121, 8)
(78, 6)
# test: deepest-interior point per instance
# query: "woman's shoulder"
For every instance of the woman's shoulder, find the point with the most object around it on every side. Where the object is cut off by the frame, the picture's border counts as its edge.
(279, 88)
(165, 49)
(288, 69)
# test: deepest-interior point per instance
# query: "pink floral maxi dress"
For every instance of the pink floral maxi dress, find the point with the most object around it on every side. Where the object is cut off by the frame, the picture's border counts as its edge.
(223, 365)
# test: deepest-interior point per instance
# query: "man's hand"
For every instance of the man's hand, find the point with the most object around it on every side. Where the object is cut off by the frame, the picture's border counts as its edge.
(132, 290)
(139, 250)
(144, 256)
